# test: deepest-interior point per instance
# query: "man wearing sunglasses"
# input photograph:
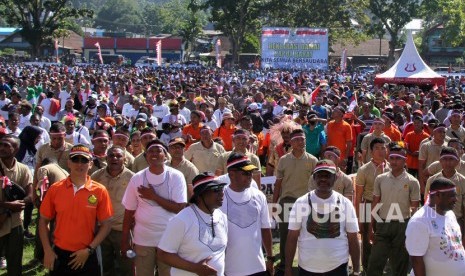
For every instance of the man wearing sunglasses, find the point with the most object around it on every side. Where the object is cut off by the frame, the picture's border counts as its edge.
(77, 204)
(249, 223)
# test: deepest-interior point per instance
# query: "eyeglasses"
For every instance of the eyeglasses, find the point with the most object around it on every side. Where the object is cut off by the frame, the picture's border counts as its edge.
(81, 160)
(245, 173)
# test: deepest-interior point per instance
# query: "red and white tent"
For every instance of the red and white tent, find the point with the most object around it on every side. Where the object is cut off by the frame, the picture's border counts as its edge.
(410, 69)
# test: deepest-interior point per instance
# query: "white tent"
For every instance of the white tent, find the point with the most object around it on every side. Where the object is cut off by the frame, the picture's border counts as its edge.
(410, 69)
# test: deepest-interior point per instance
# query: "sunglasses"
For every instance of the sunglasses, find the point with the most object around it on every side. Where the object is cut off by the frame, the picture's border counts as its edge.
(217, 189)
(81, 160)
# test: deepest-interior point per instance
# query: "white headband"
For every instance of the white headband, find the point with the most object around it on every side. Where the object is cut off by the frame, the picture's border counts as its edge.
(397, 155)
(449, 155)
(442, 190)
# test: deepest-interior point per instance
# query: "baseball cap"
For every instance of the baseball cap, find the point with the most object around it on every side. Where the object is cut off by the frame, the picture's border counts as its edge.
(325, 165)
(80, 150)
(240, 162)
(141, 117)
(177, 140)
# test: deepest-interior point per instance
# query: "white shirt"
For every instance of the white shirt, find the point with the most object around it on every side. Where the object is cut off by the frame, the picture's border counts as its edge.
(189, 235)
(160, 111)
(279, 110)
(213, 124)
(218, 114)
(2, 104)
(151, 219)
(186, 113)
(45, 123)
(24, 121)
(127, 110)
(438, 239)
(247, 214)
(170, 118)
(64, 96)
(46, 104)
(324, 254)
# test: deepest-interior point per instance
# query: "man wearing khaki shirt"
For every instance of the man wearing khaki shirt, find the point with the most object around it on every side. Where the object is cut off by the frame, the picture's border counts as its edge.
(115, 177)
(294, 171)
(176, 150)
(398, 192)
(206, 154)
(429, 152)
(364, 181)
(449, 160)
(11, 229)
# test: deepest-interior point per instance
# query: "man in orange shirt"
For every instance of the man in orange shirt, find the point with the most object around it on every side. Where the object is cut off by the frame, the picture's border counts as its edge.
(413, 140)
(339, 134)
(390, 129)
(76, 203)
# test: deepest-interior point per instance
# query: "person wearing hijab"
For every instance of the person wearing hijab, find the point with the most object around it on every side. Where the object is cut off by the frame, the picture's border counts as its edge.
(194, 241)
(29, 137)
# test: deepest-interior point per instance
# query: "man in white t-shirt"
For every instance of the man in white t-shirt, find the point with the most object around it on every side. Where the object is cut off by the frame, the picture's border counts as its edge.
(249, 223)
(152, 198)
(194, 242)
(323, 226)
(160, 110)
(433, 238)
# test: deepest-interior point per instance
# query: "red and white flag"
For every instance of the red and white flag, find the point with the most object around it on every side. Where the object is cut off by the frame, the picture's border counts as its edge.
(344, 60)
(44, 187)
(218, 53)
(56, 50)
(159, 52)
(99, 52)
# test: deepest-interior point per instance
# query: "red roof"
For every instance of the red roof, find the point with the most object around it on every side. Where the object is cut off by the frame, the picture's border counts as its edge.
(132, 43)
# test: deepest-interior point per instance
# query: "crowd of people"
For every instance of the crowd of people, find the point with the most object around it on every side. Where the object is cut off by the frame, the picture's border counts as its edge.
(135, 170)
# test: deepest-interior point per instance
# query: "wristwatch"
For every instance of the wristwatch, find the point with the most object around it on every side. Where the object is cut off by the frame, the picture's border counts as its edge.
(90, 249)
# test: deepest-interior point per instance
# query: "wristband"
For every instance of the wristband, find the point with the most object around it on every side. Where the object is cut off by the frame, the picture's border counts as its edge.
(90, 249)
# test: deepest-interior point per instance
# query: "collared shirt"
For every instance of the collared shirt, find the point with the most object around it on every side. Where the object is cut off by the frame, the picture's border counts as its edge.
(396, 193)
(76, 215)
(366, 175)
(116, 186)
(21, 175)
(295, 173)
(222, 164)
(205, 159)
(430, 151)
(187, 168)
(459, 181)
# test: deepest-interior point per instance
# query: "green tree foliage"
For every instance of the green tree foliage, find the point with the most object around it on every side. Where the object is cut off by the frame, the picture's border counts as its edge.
(448, 13)
(120, 16)
(343, 18)
(39, 19)
(234, 18)
(189, 30)
(392, 16)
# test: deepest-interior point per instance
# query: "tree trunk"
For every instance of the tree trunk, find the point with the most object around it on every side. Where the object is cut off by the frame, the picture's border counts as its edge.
(35, 40)
(392, 48)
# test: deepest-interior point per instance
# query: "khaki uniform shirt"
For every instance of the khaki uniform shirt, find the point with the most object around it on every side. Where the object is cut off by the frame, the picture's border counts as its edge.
(459, 181)
(53, 172)
(129, 160)
(396, 191)
(187, 168)
(343, 184)
(366, 143)
(430, 152)
(436, 167)
(140, 163)
(21, 175)
(459, 132)
(366, 175)
(295, 173)
(60, 155)
(204, 159)
(222, 164)
(116, 187)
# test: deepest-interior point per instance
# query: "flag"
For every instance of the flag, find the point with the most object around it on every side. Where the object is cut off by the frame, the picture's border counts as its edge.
(317, 91)
(218, 49)
(99, 52)
(158, 46)
(56, 50)
(344, 60)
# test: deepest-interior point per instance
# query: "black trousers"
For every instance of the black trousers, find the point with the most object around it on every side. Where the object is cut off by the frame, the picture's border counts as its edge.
(61, 267)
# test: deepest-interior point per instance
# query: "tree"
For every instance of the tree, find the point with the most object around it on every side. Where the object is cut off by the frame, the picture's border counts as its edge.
(39, 19)
(234, 18)
(450, 14)
(343, 18)
(120, 16)
(392, 15)
(189, 30)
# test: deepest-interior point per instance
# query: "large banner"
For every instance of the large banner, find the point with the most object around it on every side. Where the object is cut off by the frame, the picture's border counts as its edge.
(302, 48)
